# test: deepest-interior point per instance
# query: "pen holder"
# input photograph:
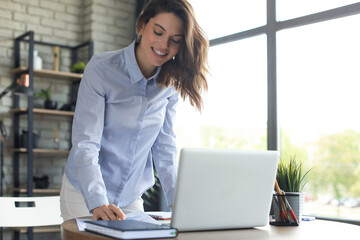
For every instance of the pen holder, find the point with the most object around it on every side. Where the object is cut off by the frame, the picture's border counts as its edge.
(284, 206)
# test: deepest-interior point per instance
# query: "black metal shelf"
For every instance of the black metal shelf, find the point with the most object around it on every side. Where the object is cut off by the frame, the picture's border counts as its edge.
(30, 111)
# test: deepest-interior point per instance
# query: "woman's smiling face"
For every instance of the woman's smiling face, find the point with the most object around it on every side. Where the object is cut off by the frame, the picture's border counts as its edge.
(161, 40)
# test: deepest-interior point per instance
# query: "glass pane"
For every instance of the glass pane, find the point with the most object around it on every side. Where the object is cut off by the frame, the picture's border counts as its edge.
(318, 80)
(287, 9)
(230, 16)
(235, 109)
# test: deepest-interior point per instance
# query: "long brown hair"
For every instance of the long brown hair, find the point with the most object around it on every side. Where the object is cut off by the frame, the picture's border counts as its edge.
(187, 72)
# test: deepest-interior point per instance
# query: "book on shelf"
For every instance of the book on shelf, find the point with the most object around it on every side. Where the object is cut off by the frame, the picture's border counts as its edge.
(130, 229)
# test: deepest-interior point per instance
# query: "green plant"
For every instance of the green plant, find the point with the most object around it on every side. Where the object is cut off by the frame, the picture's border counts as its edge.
(78, 67)
(290, 176)
(44, 93)
(151, 196)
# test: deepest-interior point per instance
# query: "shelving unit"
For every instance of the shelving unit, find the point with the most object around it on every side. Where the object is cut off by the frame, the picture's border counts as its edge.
(43, 111)
(41, 230)
(50, 74)
(30, 111)
(39, 191)
(41, 150)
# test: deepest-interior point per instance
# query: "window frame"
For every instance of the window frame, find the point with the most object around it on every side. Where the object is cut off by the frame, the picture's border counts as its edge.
(270, 29)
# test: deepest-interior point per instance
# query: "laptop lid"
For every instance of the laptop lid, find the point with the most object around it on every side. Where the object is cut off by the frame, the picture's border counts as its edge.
(223, 189)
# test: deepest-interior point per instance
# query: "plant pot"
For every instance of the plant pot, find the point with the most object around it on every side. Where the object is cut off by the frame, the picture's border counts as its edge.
(296, 201)
(41, 182)
(49, 104)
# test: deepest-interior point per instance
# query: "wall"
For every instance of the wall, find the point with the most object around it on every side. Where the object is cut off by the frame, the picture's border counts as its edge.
(109, 23)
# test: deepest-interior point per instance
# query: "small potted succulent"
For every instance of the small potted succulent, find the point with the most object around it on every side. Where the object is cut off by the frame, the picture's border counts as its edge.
(46, 95)
(78, 67)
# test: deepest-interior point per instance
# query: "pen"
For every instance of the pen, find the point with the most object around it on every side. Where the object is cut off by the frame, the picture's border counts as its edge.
(291, 212)
(281, 211)
(281, 199)
(159, 217)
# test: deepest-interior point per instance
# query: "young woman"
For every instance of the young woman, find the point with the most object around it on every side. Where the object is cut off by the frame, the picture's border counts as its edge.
(125, 114)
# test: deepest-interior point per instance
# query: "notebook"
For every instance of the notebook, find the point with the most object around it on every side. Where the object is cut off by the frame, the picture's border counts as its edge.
(223, 189)
(130, 229)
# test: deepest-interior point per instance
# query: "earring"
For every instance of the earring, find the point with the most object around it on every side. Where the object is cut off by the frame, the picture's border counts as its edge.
(174, 57)
(138, 38)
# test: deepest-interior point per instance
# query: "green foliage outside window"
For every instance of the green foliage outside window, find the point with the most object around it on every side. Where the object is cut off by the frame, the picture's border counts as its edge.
(338, 164)
(335, 162)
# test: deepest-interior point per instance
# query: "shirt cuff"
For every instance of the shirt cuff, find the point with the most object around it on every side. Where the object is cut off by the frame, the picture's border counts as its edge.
(97, 201)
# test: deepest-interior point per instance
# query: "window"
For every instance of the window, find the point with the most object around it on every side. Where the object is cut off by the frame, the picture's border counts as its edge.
(287, 9)
(318, 79)
(230, 16)
(234, 114)
(317, 65)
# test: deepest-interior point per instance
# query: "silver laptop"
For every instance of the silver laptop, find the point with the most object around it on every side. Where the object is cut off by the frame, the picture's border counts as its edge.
(223, 189)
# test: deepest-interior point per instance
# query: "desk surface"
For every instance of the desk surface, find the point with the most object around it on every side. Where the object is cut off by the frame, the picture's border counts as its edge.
(317, 229)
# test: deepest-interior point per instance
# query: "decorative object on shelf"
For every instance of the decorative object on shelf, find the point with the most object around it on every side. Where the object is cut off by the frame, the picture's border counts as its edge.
(56, 139)
(50, 104)
(78, 67)
(37, 61)
(57, 58)
(41, 182)
(24, 139)
(46, 94)
(292, 179)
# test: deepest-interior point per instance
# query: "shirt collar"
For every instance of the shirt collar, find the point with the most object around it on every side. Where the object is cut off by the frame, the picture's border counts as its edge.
(132, 66)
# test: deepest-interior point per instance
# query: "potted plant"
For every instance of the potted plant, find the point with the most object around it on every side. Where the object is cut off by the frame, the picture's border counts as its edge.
(292, 178)
(78, 67)
(152, 196)
(46, 95)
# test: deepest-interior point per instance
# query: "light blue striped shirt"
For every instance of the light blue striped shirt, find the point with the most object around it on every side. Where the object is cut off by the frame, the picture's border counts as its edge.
(121, 122)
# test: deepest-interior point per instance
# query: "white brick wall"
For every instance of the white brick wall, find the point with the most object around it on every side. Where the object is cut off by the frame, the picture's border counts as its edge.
(110, 23)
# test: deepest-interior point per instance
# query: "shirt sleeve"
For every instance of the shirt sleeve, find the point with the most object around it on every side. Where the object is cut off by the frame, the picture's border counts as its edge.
(87, 131)
(165, 152)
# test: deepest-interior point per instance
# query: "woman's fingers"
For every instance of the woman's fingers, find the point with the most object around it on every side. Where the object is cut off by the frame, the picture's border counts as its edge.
(108, 212)
(117, 211)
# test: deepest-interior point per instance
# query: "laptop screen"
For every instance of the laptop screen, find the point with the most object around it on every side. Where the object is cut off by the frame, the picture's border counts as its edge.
(223, 189)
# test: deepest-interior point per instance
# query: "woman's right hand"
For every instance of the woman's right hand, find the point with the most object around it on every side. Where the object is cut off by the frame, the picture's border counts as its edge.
(108, 212)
